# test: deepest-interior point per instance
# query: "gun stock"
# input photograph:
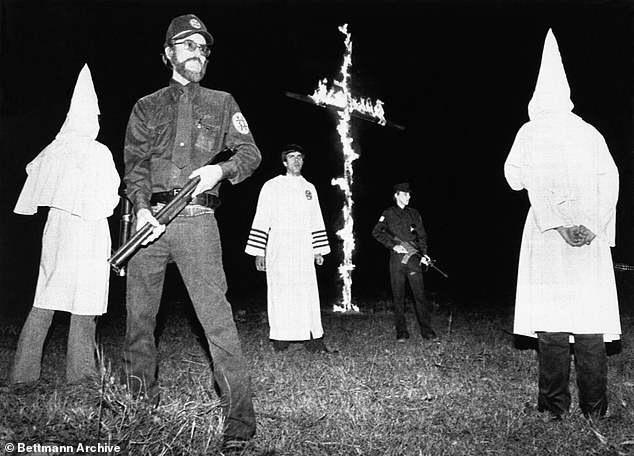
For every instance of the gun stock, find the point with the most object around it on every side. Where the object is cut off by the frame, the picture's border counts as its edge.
(125, 224)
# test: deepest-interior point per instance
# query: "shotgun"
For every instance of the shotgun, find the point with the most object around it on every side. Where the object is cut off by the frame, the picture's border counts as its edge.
(165, 215)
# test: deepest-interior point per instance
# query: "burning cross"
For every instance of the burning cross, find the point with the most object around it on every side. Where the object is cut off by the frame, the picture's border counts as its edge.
(339, 97)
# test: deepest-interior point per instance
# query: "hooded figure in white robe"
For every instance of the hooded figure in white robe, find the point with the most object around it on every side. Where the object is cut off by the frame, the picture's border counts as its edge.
(571, 179)
(288, 231)
(76, 178)
(572, 184)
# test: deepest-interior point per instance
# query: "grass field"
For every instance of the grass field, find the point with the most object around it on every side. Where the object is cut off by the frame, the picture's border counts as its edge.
(472, 392)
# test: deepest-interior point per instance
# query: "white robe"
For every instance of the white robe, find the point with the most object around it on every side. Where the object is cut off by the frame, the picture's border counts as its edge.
(76, 177)
(288, 230)
(571, 179)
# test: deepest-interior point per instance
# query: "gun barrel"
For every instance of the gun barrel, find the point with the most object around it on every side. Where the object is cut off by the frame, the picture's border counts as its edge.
(439, 271)
(126, 250)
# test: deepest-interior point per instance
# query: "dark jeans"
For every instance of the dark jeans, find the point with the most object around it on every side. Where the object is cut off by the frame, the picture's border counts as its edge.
(193, 243)
(554, 373)
(80, 353)
(399, 274)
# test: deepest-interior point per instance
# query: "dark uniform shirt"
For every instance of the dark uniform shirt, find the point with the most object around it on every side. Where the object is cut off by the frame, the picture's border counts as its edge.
(406, 224)
(158, 128)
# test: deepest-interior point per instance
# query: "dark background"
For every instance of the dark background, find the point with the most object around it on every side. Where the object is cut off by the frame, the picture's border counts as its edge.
(457, 74)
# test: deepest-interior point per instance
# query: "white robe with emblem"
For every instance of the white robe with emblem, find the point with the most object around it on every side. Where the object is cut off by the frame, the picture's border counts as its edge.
(76, 178)
(288, 230)
(571, 179)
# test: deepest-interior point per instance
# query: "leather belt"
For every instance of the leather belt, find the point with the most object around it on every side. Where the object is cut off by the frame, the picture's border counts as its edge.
(204, 199)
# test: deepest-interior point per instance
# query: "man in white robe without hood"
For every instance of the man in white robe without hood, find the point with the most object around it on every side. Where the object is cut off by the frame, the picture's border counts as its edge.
(75, 177)
(288, 238)
(566, 288)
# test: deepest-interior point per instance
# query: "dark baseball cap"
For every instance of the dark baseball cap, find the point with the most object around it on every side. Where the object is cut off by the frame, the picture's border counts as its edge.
(402, 187)
(183, 26)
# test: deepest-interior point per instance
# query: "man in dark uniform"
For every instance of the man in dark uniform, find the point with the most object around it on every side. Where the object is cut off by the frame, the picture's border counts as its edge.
(171, 134)
(401, 230)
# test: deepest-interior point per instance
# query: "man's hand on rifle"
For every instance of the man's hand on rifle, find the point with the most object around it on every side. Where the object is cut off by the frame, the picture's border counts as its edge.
(260, 263)
(209, 175)
(145, 216)
(425, 260)
(319, 259)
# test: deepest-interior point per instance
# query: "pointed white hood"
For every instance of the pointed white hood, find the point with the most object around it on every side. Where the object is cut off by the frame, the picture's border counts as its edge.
(74, 173)
(552, 92)
(83, 115)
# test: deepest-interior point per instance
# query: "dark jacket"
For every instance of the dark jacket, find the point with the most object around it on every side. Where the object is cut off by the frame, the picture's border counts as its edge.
(406, 224)
(216, 123)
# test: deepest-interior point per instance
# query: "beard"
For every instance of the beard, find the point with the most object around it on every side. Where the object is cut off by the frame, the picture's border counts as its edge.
(188, 73)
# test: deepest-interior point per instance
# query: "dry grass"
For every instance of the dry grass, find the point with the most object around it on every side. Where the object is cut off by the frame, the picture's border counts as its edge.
(469, 393)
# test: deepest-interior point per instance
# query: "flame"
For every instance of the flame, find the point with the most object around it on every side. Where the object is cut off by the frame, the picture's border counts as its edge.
(340, 97)
(339, 94)
(346, 234)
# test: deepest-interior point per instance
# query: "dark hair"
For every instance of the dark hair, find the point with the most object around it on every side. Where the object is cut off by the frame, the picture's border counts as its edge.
(287, 149)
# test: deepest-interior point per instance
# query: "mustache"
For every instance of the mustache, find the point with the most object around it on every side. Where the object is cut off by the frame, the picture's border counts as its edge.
(196, 59)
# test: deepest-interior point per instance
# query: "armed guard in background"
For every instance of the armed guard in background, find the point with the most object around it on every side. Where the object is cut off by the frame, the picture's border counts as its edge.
(401, 230)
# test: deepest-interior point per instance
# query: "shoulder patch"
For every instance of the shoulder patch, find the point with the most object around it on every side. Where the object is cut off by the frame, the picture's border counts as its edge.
(240, 123)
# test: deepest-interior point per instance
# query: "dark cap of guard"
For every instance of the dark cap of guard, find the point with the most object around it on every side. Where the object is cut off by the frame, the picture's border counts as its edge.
(183, 26)
(287, 149)
(402, 187)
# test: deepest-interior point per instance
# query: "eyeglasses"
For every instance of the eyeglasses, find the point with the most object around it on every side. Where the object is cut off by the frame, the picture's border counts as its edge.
(192, 46)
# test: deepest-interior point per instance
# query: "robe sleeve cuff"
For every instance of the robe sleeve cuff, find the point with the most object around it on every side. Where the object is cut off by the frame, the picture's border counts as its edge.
(320, 242)
(256, 244)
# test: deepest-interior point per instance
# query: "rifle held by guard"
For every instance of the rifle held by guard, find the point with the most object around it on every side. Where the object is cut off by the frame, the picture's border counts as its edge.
(413, 251)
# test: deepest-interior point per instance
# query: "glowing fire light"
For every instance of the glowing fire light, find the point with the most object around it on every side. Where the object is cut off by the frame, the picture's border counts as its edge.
(339, 96)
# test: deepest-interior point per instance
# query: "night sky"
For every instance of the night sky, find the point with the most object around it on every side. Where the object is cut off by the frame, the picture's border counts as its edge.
(457, 74)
